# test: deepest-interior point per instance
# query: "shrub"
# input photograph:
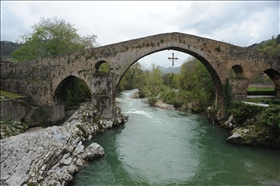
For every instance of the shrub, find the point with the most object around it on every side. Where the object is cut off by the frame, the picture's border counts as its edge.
(271, 117)
(152, 101)
(242, 111)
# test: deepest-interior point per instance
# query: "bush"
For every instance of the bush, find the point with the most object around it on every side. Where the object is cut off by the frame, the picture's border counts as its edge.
(173, 97)
(242, 111)
(152, 101)
(270, 117)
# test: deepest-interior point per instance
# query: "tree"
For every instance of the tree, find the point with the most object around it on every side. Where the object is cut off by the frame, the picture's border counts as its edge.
(51, 37)
(155, 80)
(196, 83)
(133, 78)
(171, 80)
(278, 39)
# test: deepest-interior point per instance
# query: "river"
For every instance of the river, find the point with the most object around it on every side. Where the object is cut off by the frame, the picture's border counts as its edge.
(164, 147)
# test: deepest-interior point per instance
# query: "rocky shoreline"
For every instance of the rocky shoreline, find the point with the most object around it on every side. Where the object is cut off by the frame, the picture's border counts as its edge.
(246, 133)
(51, 156)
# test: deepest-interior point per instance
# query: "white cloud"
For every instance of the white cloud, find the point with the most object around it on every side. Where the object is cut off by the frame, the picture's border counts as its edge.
(240, 23)
(235, 22)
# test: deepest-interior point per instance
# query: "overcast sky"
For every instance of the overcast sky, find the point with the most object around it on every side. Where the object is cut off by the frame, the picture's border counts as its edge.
(240, 23)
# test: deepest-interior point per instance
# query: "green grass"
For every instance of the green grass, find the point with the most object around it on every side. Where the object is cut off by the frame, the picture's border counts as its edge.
(9, 95)
(260, 91)
(254, 89)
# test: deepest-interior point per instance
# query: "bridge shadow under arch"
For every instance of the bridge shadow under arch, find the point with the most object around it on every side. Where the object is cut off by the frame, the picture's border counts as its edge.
(71, 91)
(273, 74)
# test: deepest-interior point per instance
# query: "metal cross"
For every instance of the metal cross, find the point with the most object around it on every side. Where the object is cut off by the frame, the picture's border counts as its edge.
(172, 59)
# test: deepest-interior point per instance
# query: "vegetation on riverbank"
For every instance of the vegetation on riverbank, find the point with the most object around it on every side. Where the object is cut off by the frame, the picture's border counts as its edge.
(193, 85)
(253, 125)
(193, 89)
(11, 128)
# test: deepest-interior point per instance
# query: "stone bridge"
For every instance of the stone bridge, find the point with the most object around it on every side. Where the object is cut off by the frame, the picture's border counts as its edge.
(41, 79)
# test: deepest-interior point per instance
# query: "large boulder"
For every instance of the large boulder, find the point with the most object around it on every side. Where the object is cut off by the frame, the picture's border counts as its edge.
(161, 104)
(93, 151)
(251, 135)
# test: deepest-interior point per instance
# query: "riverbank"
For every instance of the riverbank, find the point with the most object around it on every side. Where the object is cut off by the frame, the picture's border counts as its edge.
(51, 156)
(247, 124)
(168, 147)
(253, 125)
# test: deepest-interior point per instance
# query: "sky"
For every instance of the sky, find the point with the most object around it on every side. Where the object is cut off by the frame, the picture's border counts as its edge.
(241, 23)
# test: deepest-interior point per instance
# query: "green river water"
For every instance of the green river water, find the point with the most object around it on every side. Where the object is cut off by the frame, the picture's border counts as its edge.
(164, 147)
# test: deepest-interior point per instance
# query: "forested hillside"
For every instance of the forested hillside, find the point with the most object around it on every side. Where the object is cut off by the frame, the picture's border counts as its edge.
(7, 48)
(271, 46)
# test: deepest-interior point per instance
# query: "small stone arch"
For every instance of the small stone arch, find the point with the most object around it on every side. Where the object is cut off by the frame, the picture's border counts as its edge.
(102, 67)
(59, 91)
(237, 71)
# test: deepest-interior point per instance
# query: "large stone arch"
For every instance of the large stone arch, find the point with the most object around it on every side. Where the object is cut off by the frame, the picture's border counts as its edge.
(191, 50)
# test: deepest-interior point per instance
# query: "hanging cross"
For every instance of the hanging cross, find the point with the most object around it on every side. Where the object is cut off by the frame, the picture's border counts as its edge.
(172, 59)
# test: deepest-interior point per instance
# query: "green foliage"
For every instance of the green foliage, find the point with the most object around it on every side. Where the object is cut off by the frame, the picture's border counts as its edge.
(152, 100)
(242, 111)
(154, 80)
(262, 79)
(149, 82)
(271, 117)
(196, 83)
(271, 46)
(171, 80)
(11, 128)
(7, 48)
(51, 37)
(74, 92)
(104, 68)
(134, 78)
(278, 39)
(172, 97)
(227, 95)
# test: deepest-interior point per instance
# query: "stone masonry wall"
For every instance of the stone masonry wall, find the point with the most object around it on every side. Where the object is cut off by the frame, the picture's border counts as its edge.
(14, 109)
(239, 88)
